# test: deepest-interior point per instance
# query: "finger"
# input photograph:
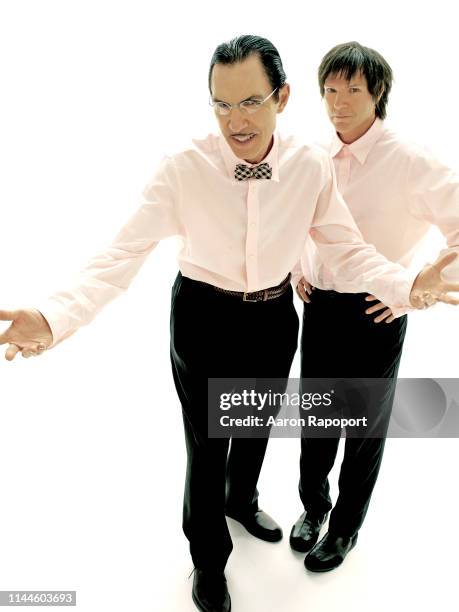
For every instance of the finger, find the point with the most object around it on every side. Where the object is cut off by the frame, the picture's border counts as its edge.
(390, 319)
(5, 336)
(29, 353)
(451, 286)
(370, 298)
(448, 299)
(304, 296)
(8, 315)
(33, 351)
(445, 261)
(302, 293)
(11, 352)
(375, 308)
(383, 316)
(298, 292)
(429, 299)
(305, 284)
(418, 301)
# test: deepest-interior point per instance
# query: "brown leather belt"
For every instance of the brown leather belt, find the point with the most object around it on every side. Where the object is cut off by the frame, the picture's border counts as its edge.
(259, 296)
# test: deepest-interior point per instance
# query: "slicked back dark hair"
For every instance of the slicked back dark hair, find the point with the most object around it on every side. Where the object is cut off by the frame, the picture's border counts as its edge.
(347, 59)
(241, 47)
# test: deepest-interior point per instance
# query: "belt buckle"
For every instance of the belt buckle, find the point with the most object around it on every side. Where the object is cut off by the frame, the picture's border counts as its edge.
(258, 298)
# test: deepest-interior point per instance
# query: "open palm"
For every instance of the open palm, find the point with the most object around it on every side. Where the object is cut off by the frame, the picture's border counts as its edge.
(29, 332)
(429, 286)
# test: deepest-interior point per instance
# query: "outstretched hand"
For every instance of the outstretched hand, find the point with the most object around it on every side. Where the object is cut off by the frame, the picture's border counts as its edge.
(29, 332)
(429, 287)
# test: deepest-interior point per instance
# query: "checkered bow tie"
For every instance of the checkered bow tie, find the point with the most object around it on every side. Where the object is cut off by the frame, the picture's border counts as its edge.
(243, 172)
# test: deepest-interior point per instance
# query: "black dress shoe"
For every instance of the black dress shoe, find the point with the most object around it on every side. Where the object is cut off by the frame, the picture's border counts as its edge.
(329, 552)
(210, 593)
(305, 532)
(260, 525)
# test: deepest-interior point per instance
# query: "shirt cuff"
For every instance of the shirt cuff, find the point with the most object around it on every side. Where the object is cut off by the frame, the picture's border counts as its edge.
(399, 311)
(404, 290)
(297, 274)
(57, 318)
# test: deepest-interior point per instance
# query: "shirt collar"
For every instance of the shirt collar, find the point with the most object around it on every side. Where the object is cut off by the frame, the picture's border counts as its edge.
(231, 160)
(361, 147)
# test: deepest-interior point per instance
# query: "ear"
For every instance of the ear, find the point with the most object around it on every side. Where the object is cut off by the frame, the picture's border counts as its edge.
(284, 94)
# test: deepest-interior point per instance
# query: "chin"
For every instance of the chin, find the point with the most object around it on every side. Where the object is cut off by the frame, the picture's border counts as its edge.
(344, 121)
(253, 155)
(245, 155)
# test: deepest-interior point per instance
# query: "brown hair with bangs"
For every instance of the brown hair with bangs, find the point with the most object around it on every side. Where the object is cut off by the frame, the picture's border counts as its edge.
(348, 59)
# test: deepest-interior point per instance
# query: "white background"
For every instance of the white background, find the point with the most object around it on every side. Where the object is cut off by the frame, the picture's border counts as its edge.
(92, 455)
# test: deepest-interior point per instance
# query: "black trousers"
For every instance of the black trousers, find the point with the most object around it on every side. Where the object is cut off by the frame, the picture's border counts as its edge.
(214, 335)
(340, 340)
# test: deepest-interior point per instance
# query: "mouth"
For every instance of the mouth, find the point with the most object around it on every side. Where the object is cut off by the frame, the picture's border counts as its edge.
(243, 139)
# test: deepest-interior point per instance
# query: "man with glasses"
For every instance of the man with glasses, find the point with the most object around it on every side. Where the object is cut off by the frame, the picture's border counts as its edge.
(243, 203)
(396, 191)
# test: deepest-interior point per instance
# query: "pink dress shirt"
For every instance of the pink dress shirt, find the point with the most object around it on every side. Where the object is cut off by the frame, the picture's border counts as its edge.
(395, 191)
(242, 236)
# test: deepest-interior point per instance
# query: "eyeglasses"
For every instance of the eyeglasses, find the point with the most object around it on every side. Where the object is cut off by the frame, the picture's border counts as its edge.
(249, 106)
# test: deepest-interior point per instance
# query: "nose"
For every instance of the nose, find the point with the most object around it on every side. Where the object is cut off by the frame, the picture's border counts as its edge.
(237, 120)
(340, 100)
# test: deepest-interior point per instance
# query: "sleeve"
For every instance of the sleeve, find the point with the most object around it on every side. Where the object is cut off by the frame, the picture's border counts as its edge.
(433, 195)
(397, 311)
(305, 265)
(296, 273)
(109, 273)
(356, 266)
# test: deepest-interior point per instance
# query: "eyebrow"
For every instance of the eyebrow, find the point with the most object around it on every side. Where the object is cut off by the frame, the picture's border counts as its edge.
(350, 85)
(248, 98)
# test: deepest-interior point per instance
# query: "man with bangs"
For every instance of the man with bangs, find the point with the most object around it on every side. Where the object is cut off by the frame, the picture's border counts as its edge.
(395, 191)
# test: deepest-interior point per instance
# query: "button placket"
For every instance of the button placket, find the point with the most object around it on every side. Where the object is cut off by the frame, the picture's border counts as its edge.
(344, 171)
(251, 245)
